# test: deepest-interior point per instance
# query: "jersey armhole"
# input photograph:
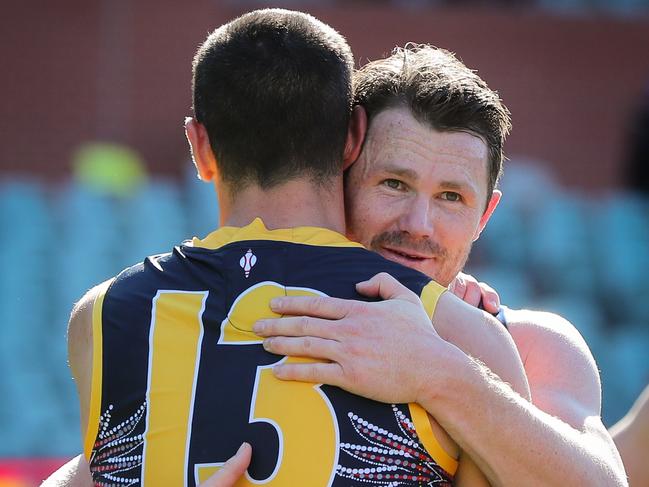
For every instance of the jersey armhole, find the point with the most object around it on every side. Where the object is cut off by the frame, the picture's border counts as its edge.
(430, 295)
(429, 440)
(94, 408)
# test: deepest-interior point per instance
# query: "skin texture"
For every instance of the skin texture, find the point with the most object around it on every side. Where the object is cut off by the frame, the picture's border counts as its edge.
(416, 196)
(557, 440)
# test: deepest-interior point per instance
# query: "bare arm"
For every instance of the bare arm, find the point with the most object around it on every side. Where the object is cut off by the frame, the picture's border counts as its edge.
(80, 350)
(75, 473)
(631, 435)
(388, 351)
(565, 415)
(468, 474)
(557, 440)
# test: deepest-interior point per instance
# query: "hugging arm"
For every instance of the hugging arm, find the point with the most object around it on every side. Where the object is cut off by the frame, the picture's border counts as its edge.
(469, 377)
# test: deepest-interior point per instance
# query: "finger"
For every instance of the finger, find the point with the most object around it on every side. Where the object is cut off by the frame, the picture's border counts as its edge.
(295, 326)
(384, 286)
(311, 347)
(317, 306)
(319, 373)
(232, 470)
(473, 293)
(490, 298)
(458, 286)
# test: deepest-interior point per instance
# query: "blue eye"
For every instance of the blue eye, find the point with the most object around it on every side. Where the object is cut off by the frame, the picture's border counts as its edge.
(393, 183)
(451, 196)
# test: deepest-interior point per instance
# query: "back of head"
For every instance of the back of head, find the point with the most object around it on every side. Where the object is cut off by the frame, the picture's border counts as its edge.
(441, 92)
(273, 90)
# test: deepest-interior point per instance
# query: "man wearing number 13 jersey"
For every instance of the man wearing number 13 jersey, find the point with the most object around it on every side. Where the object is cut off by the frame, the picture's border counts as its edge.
(171, 377)
(181, 367)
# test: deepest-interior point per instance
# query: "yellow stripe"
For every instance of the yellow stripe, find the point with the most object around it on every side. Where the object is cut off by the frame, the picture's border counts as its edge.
(175, 347)
(317, 236)
(430, 296)
(94, 409)
(427, 437)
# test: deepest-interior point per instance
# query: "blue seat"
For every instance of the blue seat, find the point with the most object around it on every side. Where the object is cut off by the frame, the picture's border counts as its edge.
(621, 246)
(513, 287)
(155, 219)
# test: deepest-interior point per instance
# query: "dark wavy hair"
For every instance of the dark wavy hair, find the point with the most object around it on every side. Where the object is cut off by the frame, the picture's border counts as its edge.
(441, 92)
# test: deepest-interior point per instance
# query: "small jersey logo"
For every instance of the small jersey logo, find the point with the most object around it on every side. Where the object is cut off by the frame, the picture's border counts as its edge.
(247, 262)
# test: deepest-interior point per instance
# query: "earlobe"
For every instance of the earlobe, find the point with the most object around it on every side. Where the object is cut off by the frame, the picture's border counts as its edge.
(355, 136)
(201, 150)
(489, 210)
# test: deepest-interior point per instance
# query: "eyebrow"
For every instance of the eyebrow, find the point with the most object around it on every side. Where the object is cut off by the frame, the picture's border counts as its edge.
(412, 175)
(401, 171)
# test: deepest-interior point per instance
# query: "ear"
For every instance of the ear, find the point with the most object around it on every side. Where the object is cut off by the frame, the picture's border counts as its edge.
(202, 154)
(355, 136)
(491, 206)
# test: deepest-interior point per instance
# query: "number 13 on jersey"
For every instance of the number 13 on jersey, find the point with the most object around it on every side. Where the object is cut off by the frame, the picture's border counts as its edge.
(299, 412)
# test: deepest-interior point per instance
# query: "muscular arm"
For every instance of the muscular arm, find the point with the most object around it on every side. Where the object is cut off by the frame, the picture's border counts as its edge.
(388, 351)
(631, 435)
(80, 350)
(76, 472)
(559, 439)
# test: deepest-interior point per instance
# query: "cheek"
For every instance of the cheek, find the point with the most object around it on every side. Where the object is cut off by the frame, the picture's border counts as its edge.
(366, 218)
(456, 235)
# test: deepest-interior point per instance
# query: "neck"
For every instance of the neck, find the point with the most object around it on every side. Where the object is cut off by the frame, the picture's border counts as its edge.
(296, 203)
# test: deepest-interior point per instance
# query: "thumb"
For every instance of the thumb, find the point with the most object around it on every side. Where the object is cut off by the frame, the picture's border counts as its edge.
(232, 470)
(384, 286)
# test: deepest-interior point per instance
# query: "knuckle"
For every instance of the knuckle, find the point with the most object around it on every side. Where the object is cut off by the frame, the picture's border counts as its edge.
(349, 328)
(303, 325)
(316, 304)
(357, 307)
(311, 374)
(307, 344)
(353, 349)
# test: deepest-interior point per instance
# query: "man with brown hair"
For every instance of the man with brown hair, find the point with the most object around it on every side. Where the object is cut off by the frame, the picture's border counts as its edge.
(421, 192)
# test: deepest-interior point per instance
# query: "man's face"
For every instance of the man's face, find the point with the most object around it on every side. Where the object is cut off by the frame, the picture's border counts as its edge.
(417, 196)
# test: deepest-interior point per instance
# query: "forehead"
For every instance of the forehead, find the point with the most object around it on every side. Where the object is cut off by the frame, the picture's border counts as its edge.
(396, 139)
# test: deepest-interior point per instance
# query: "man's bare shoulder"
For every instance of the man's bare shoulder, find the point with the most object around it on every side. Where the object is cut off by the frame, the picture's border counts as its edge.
(560, 367)
(80, 324)
(80, 346)
(535, 331)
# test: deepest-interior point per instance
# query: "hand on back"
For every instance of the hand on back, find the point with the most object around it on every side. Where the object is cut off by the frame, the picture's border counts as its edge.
(369, 349)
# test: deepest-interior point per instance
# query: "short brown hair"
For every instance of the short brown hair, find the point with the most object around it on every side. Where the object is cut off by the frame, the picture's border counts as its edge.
(440, 91)
(273, 89)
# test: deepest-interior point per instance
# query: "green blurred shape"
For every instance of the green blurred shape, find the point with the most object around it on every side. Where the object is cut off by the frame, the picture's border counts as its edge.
(109, 168)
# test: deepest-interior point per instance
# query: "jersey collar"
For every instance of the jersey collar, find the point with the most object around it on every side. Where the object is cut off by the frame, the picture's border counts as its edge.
(257, 231)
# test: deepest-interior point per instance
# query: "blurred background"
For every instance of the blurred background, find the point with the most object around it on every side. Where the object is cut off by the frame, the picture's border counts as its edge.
(95, 172)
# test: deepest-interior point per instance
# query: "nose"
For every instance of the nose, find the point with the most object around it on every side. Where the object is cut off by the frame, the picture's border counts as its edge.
(417, 219)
